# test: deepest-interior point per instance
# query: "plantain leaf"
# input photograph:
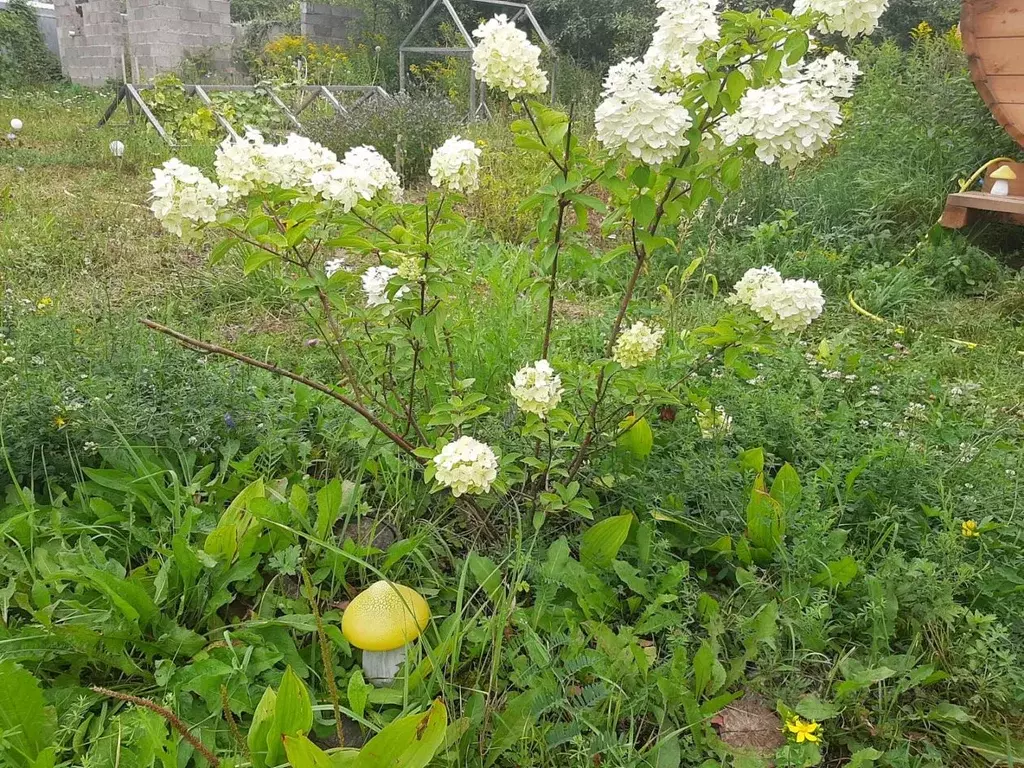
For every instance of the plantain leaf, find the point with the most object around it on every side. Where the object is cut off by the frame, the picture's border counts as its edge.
(602, 541)
(408, 742)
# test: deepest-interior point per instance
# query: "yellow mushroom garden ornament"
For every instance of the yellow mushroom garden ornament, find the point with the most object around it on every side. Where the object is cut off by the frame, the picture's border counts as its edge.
(382, 621)
(1001, 179)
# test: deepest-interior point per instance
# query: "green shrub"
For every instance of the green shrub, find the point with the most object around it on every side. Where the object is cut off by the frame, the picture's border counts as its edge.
(915, 127)
(413, 126)
(24, 57)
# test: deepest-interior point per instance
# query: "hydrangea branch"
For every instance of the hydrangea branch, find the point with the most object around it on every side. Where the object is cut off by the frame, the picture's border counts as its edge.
(216, 349)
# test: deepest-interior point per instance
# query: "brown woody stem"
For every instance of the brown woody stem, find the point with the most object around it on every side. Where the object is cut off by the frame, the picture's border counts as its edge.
(216, 349)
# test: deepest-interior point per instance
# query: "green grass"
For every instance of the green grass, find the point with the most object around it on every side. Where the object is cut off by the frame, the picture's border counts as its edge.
(127, 450)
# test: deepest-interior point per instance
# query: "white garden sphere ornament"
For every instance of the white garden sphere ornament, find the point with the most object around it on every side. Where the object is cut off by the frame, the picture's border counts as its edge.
(16, 125)
(117, 148)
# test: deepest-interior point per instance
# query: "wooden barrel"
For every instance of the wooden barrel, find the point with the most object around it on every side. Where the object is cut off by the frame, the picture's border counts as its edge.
(993, 34)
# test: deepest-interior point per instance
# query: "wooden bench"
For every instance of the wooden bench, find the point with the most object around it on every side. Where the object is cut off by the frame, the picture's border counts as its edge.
(964, 208)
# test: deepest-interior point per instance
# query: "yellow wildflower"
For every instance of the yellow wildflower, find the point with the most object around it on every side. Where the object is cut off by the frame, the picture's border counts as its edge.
(60, 422)
(44, 302)
(803, 730)
(969, 529)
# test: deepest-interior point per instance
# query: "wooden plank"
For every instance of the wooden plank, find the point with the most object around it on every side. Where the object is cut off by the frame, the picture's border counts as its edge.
(985, 202)
(332, 100)
(980, 53)
(1001, 55)
(1007, 89)
(282, 106)
(149, 115)
(219, 117)
(956, 216)
(1014, 114)
(121, 92)
(999, 18)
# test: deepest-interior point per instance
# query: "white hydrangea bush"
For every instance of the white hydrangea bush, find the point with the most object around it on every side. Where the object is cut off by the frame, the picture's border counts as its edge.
(384, 281)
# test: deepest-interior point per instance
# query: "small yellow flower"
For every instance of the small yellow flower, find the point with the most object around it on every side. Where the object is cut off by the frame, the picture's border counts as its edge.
(803, 730)
(60, 422)
(44, 302)
(969, 529)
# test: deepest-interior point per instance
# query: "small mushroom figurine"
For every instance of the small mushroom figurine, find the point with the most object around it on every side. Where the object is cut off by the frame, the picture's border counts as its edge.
(1001, 181)
(383, 620)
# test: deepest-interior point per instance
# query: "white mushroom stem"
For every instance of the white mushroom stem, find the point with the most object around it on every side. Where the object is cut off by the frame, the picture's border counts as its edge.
(380, 667)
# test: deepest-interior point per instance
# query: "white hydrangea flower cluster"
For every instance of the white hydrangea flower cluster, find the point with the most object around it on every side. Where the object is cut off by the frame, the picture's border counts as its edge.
(410, 268)
(788, 122)
(333, 266)
(637, 344)
(506, 59)
(455, 165)
(753, 280)
(537, 388)
(375, 285)
(180, 194)
(682, 27)
(243, 165)
(466, 466)
(835, 72)
(714, 422)
(789, 305)
(293, 164)
(375, 172)
(362, 174)
(638, 120)
(850, 18)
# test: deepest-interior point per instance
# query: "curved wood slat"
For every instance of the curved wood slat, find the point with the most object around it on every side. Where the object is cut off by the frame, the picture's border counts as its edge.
(993, 35)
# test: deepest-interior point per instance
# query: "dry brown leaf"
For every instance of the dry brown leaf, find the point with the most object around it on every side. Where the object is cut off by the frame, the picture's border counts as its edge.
(748, 725)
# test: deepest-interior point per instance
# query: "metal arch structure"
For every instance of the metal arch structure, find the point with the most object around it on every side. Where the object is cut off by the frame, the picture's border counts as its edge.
(131, 94)
(477, 90)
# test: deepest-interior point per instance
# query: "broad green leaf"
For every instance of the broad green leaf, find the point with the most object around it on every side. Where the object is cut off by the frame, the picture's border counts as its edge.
(765, 524)
(1001, 749)
(259, 731)
(703, 661)
(27, 725)
(666, 753)
(358, 692)
(235, 523)
(639, 438)
(129, 597)
(812, 707)
(601, 542)
(864, 758)
(408, 742)
(838, 573)
(303, 753)
(328, 506)
(944, 712)
(644, 209)
(786, 489)
(293, 715)
(753, 459)
(185, 559)
(257, 259)
(486, 574)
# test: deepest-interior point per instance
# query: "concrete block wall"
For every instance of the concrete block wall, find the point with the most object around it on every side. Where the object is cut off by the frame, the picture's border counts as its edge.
(46, 20)
(162, 32)
(91, 38)
(330, 23)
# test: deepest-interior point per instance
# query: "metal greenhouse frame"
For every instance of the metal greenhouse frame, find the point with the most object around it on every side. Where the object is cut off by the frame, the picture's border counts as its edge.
(477, 90)
(131, 94)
